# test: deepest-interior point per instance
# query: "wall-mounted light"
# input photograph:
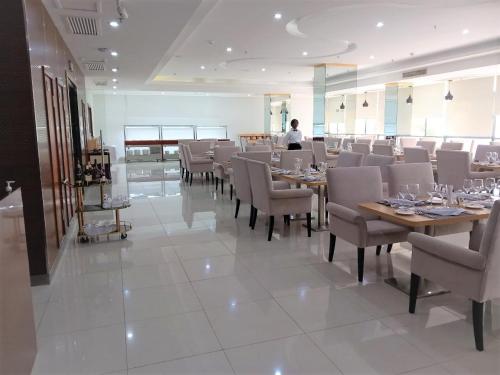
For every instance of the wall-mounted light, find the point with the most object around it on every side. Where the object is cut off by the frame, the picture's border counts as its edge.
(365, 103)
(449, 96)
(342, 106)
(409, 99)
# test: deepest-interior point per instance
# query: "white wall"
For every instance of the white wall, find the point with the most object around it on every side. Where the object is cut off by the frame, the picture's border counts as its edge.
(301, 108)
(112, 112)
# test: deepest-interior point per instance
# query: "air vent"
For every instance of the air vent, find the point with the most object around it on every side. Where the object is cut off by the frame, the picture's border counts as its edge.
(82, 25)
(95, 66)
(101, 83)
(415, 73)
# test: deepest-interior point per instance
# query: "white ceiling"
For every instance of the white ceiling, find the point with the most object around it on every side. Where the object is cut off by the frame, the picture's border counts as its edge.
(163, 43)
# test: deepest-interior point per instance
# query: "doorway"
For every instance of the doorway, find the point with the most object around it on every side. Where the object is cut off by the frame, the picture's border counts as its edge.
(76, 134)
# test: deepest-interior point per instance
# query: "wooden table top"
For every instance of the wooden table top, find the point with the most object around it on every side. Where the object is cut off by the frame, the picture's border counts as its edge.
(298, 180)
(478, 166)
(416, 221)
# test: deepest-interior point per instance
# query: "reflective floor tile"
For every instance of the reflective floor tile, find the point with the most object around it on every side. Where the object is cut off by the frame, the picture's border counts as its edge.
(157, 275)
(201, 250)
(206, 268)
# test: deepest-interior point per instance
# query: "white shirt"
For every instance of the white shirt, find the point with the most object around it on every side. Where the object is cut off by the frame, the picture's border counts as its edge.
(293, 136)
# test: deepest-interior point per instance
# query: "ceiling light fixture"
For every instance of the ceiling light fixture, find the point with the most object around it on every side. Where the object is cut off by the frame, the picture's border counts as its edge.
(229, 49)
(278, 16)
(305, 53)
(365, 103)
(380, 24)
(202, 67)
(114, 24)
(114, 70)
(114, 87)
(449, 96)
(342, 106)
(372, 57)
(114, 53)
(114, 80)
(465, 31)
(409, 99)
(263, 69)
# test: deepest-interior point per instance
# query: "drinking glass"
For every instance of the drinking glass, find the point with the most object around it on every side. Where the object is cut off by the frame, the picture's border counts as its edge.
(494, 156)
(349, 147)
(297, 165)
(335, 145)
(478, 185)
(488, 157)
(468, 185)
(413, 191)
(403, 192)
(490, 184)
(431, 190)
(323, 167)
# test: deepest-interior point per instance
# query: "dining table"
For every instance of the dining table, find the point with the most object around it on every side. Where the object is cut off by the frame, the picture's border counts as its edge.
(485, 167)
(421, 222)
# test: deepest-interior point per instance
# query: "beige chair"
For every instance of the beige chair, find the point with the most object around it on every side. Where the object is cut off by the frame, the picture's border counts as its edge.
(274, 202)
(222, 155)
(333, 142)
(495, 143)
(349, 159)
(452, 146)
(365, 141)
(383, 162)
(470, 273)
(321, 156)
(481, 151)
(263, 156)
(256, 148)
(453, 167)
(386, 150)
(382, 142)
(199, 148)
(361, 148)
(347, 187)
(287, 158)
(430, 146)
(407, 142)
(182, 162)
(412, 173)
(346, 142)
(225, 143)
(307, 145)
(416, 155)
(197, 165)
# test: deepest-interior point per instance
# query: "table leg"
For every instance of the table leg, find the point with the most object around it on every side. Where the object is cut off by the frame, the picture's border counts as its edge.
(321, 211)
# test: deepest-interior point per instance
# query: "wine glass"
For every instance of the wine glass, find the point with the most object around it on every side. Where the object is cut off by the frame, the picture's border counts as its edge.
(494, 156)
(323, 167)
(297, 165)
(468, 185)
(488, 157)
(413, 191)
(403, 191)
(478, 185)
(349, 147)
(490, 184)
(431, 190)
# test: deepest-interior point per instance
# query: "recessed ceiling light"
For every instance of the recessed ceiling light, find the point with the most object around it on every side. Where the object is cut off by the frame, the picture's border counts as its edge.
(114, 53)
(114, 70)
(114, 80)
(114, 24)
(465, 31)
(202, 67)
(380, 24)
(278, 16)
(229, 49)
(263, 69)
(114, 87)
(305, 53)
(372, 57)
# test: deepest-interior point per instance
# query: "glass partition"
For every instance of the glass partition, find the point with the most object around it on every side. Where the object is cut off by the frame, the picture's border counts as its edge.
(177, 132)
(211, 132)
(142, 133)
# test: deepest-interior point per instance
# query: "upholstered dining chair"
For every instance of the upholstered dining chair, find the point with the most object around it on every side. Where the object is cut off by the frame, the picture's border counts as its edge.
(416, 155)
(408, 142)
(454, 166)
(199, 148)
(361, 148)
(222, 155)
(264, 156)
(333, 142)
(350, 159)
(255, 148)
(382, 142)
(383, 162)
(346, 142)
(306, 145)
(197, 165)
(430, 146)
(287, 158)
(470, 273)
(366, 141)
(321, 156)
(452, 146)
(182, 162)
(225, 143)
(411, 173)
(386, 150)
(481, 151)
(347, 188)
(273, 202)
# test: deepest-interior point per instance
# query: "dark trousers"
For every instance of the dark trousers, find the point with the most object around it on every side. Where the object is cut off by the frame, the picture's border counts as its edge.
(294, 146)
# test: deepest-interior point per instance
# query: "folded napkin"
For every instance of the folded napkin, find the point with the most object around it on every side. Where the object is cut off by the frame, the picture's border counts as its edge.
(312, 178)
(441, 211)
(473, 197)
(397, 202)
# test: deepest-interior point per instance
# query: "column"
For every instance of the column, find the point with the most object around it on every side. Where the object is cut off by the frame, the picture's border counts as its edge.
(319, 89)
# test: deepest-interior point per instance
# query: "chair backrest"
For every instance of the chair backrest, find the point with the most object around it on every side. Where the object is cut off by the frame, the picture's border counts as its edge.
(380, 161)
(188, 156)
(185, 141)
(452, 167)
(481, 151)
(366, 141)
(386, 150)
(416, 155)
(333, 141)
(452, 146)
(253, 148)
(224, 154)
(306, 145)
(225, 143)
(362, 148)
(407, 142)
(287, 159)
(319, 151)
(495, 143)
(490, 249)
(182, 158)
(346, 141)
(199, 147)
(413, 173)
(261, 184)
(241, 179)
(351, 186)
(263, 156)
(430, 146)
(382, 142)
(349, 159)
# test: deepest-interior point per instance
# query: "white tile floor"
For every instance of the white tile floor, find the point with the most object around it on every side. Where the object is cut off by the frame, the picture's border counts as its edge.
(194, 291)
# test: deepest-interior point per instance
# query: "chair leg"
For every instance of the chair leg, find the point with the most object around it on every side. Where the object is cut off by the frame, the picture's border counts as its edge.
(237, 208)
(231, 192)
(333, 239)
(251, 217)
(186, 177)
(216, 183)
(207, 177)
(254, 217)
(477, 321)
(379, 249)
(361, 263)
(212, 174)
(308, 216)
(190, 178)
(389, 248)
(414, 282)
(271, 227)
(222, 186)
